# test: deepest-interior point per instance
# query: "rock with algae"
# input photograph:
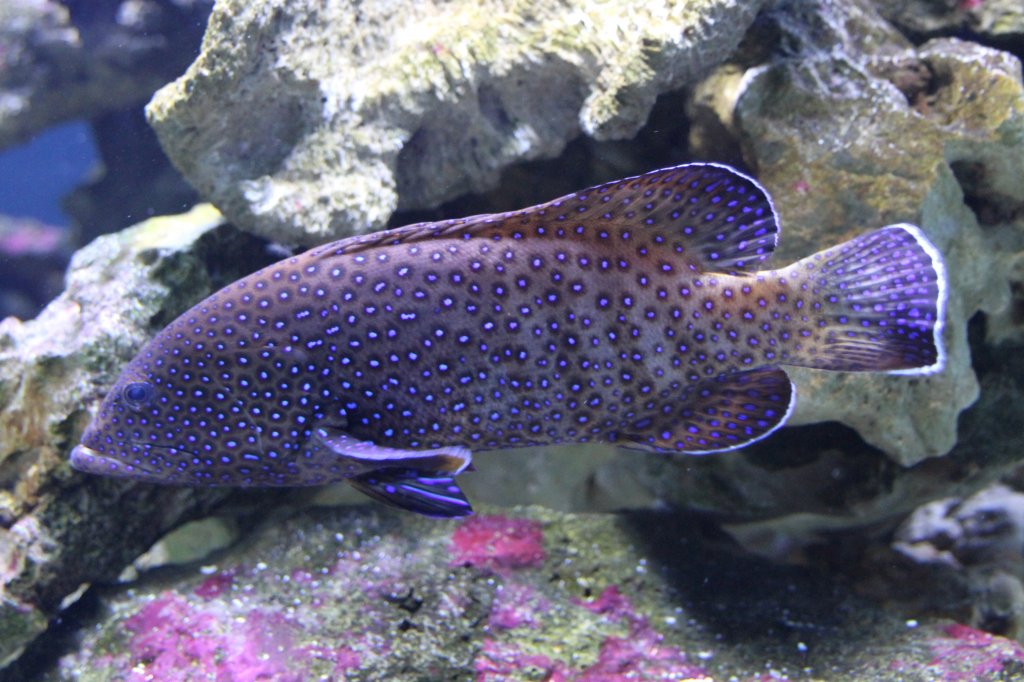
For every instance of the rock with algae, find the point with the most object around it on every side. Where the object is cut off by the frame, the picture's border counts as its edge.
(850, 126)
(65, 60)
(526, 594)
(59, 529)
(854, 127)
(997, 22)
(305, 120)
(842, 483)
(867, 153)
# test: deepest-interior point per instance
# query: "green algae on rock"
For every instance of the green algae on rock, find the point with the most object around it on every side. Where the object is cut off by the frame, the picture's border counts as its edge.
(304, 121)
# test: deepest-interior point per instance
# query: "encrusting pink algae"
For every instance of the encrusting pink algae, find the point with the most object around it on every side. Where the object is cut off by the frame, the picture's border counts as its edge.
(530, 594)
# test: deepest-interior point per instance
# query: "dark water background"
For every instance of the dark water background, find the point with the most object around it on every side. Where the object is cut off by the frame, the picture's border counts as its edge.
(37, 174)
(36, 234)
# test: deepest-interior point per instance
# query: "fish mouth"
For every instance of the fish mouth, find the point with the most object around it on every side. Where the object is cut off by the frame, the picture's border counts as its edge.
(84, 458)
(87, 460)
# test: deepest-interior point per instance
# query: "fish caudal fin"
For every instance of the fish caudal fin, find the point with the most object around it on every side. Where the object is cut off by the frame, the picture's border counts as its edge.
(874, 303)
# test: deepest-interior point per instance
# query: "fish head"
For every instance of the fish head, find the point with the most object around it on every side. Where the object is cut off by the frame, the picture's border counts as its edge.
(172, 417)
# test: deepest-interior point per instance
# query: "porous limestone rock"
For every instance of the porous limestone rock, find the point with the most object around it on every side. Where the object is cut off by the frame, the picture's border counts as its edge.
(866, 155)
(304, 120)
(60, 529)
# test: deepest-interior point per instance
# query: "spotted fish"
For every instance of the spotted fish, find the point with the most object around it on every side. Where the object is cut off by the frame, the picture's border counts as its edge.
(636, 312)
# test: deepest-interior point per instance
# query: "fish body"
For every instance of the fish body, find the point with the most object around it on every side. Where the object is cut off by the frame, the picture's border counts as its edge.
(638, 312)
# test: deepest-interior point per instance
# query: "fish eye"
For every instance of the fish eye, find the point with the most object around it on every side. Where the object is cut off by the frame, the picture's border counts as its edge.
(137, 394)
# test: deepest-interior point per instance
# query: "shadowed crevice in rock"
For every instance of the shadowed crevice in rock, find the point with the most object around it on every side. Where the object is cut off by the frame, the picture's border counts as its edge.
(714, 578)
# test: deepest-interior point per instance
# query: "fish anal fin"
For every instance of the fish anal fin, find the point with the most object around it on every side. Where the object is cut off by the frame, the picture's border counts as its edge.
(721, 414)
(415, 491)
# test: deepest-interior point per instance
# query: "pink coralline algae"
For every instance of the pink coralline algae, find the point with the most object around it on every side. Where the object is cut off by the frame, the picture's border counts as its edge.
(498, 543)
(216, 585)
(641, 655)
(969, 654)
(23, 237)
(517, 606)
(500, 661)
(344, 658)
(960, 653)
(173, 641)
(610, 601)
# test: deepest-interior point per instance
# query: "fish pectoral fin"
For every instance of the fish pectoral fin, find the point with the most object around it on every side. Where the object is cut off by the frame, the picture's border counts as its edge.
(363, 456)
(431, 495)
(720, 414)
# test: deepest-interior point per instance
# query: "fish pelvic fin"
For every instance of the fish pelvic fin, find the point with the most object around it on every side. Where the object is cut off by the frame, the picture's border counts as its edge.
(421, 481)
(875, 303)
(427, 494)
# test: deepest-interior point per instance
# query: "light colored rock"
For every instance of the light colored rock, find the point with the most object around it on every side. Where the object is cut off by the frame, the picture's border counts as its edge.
(990, 20)
(305, 121)
(854, 128)
(847, 139)
(981, 540)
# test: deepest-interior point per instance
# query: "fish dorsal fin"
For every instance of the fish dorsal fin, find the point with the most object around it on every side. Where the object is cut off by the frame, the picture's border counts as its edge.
(716, 218)
(408, 234)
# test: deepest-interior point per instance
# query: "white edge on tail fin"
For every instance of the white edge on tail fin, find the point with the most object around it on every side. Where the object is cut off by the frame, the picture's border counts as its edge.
(940, 309)
(782, 422)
